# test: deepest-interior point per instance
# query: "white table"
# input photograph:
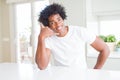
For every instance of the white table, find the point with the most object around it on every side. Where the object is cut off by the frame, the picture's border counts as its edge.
(13, 71)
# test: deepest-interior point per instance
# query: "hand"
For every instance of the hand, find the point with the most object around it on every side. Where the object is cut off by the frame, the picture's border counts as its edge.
(46, 31)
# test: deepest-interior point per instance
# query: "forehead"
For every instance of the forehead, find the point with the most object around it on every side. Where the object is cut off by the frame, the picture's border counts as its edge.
(54, 16)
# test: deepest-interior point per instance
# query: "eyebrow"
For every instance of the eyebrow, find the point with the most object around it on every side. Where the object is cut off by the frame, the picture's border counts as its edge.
(57, 18)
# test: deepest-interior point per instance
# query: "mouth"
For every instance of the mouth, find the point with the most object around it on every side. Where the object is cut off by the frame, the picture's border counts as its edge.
(59, 28)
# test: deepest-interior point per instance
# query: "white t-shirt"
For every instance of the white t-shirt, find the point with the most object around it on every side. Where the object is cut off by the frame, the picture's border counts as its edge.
(70, 49)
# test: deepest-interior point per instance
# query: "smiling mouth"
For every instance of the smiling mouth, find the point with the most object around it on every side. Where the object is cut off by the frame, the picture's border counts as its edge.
(59, 28)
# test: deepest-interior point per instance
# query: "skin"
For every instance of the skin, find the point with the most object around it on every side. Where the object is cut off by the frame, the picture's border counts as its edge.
(57, 27)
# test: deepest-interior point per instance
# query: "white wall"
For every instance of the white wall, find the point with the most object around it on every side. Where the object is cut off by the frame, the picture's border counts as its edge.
(91, 20)
(75, 11)
(0, 35)
(106, 7)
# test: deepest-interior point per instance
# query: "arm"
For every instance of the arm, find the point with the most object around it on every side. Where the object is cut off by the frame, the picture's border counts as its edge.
(43, 54)
(100, 46)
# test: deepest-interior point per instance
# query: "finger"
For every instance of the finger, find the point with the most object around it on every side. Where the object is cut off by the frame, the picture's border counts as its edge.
(53, 33)
(41, 25)
(56, 34)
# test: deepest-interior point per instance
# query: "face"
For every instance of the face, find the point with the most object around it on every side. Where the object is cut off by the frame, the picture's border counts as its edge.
(56, 23)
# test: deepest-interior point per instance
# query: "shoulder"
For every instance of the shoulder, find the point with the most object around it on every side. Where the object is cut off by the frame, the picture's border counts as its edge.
(51, 39)
(48, 42)
(84, 33)
(77, 27)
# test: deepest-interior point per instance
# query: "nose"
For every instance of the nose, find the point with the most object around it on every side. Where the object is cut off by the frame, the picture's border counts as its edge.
(57, 24)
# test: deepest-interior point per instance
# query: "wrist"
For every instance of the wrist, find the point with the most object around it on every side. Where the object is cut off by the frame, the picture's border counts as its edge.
(41, 38)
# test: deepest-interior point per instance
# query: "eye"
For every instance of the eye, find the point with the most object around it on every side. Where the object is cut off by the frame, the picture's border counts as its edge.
(51, 23)
(59, 19)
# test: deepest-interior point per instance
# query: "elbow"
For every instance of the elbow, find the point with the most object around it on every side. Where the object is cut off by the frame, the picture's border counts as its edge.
(42, 66)
(106, 50)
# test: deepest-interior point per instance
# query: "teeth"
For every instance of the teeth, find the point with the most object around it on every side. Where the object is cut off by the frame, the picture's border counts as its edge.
(59, 28)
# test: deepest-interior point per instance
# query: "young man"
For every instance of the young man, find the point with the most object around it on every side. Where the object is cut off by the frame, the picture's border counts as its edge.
(65, 42)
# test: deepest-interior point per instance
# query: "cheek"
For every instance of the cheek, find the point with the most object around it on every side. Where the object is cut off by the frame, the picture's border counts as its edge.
(62, 23)
(52, 27)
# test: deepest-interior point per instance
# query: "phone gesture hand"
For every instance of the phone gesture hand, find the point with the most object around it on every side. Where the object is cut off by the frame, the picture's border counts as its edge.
(46, 31)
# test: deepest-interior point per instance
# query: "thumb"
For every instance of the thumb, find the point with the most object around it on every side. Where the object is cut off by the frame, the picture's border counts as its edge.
(41, 25)
(56, 34)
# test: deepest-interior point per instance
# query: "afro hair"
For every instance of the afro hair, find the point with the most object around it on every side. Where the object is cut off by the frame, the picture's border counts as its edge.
(51, 10)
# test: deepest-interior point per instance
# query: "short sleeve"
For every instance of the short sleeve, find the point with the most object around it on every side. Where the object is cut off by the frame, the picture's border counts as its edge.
(87, 35)
(47, 43)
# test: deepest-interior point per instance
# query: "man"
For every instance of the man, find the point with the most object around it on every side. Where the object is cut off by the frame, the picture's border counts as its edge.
(65, 42)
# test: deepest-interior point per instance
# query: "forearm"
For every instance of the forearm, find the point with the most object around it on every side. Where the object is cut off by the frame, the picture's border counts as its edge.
(42, 58)
(101, 59)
